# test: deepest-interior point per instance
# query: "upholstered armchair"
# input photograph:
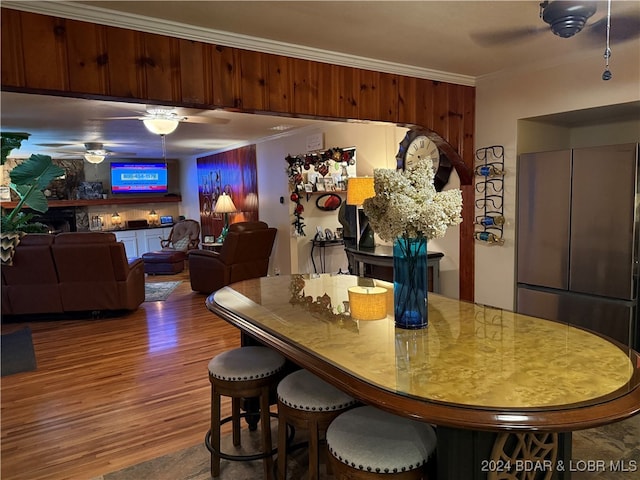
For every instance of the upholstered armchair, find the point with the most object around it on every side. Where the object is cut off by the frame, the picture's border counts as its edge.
(244, 254)
(184, 236)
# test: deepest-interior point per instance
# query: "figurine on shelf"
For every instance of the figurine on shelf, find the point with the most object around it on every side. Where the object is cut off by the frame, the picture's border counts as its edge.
(328, 234)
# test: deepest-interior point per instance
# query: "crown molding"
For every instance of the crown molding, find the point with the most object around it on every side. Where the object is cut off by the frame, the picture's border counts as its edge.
(88, 13)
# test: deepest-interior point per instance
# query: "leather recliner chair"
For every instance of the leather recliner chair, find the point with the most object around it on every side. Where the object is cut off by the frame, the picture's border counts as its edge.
(244, 254)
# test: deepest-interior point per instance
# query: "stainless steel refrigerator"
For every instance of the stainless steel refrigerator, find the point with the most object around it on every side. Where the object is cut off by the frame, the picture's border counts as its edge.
(578, 236)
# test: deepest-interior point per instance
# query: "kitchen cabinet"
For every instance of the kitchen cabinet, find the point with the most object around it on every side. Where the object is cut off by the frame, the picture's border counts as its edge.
(138, 242)
(128, 237)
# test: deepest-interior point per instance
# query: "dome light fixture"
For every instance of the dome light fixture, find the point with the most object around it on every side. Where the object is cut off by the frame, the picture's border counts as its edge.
(95, 152)
(161, 120)
(94, 158)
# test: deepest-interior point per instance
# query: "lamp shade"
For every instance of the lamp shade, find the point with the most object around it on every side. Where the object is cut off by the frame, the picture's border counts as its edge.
(359, 189)
(368, 303)
(224, 204)
(161, 126)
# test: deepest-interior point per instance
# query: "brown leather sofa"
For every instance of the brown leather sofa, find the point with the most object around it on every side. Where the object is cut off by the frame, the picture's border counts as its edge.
(71, 272)
(244, 254)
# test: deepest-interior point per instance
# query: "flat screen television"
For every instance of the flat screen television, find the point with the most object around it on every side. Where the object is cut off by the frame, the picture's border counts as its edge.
(138, 177)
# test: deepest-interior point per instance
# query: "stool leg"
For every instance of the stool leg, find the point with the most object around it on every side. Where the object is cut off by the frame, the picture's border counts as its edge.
(235, 420)
(282, 445)
(327, 453)
(266, 432)
(314, 464)
(215, 432)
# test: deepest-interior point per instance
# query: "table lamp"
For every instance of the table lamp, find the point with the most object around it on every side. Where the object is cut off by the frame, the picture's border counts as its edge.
(225, 205)
(153, 217)
(116, 220)
(368, 303)
(358, 190)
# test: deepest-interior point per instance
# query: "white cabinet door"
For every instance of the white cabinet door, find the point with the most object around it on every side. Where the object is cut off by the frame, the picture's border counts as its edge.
(130, 243)
(149, 240)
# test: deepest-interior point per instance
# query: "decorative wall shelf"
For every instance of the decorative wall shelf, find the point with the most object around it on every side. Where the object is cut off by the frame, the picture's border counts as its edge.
(324, 164)
(489, 172)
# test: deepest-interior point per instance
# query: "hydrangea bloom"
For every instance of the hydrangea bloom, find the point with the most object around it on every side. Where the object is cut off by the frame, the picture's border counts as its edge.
(406, 204)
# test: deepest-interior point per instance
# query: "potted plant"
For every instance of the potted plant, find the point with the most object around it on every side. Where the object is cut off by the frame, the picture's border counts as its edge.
(28, 179)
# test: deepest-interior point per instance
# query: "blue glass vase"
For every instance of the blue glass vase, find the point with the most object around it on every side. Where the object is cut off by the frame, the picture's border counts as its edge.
(410, 282)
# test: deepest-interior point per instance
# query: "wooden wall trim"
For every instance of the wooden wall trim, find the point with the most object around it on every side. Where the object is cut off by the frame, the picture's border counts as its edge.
(59, 56)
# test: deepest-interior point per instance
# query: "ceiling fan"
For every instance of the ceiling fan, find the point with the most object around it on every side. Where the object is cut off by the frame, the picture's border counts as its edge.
(566, 19)
(94, 152)
(163, 120)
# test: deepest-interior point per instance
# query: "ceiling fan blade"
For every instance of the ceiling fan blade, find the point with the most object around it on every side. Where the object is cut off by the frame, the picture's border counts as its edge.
(623, 29)
(210, 120)
(139, 117)
(492, 38)
(109, 154)
(57, 145)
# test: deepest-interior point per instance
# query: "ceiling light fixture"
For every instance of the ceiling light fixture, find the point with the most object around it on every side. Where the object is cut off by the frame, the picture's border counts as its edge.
(95, 153)
(161, 120)
(94, 157)
(281, 127)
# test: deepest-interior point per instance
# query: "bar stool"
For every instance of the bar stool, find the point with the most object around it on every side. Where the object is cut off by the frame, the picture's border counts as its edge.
(306, 401)
(366, 443)
(242, 373)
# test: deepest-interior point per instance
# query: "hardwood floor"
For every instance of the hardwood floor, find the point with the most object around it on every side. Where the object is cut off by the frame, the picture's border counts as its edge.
(112, 392)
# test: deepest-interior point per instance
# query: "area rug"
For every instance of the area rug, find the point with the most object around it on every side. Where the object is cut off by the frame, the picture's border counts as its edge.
(159, 291)
(17, 352)
(193, 463)
(615, 442)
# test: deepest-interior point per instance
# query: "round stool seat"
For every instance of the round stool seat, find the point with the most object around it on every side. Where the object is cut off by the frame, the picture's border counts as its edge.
(306, 401)
(243, 373)
(369, 439)
(246, 363)
(303, 390)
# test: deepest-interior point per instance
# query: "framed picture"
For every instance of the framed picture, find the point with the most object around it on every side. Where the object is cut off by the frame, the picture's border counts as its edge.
(90, 190)
(329, 186)
(320, 185)
(308, 187)
(209, 239)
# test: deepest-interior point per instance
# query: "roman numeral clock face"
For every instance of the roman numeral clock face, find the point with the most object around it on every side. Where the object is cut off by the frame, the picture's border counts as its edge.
(418, 147)
(422, 149)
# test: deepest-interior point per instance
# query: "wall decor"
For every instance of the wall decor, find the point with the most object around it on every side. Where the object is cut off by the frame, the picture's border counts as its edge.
(489, 171)
(335, 161)
(328, 202)
(90, 190)
(234, 173)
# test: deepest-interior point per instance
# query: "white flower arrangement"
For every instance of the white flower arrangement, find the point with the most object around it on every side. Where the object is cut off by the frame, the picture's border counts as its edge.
(406, 204)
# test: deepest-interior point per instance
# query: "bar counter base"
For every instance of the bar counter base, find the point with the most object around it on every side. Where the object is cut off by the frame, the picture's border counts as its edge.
(469, 454)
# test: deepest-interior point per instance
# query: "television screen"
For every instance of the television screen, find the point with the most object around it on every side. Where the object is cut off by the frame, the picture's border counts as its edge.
(138, 177)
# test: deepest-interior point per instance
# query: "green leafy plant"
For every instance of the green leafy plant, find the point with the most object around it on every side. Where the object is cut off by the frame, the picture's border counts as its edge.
(28, 180)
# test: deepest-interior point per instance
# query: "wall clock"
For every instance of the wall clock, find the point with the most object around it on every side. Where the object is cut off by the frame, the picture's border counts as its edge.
(418, 147)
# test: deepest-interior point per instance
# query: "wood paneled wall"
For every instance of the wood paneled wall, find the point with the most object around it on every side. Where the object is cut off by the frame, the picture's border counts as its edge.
(45, 54)
(235, 173)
